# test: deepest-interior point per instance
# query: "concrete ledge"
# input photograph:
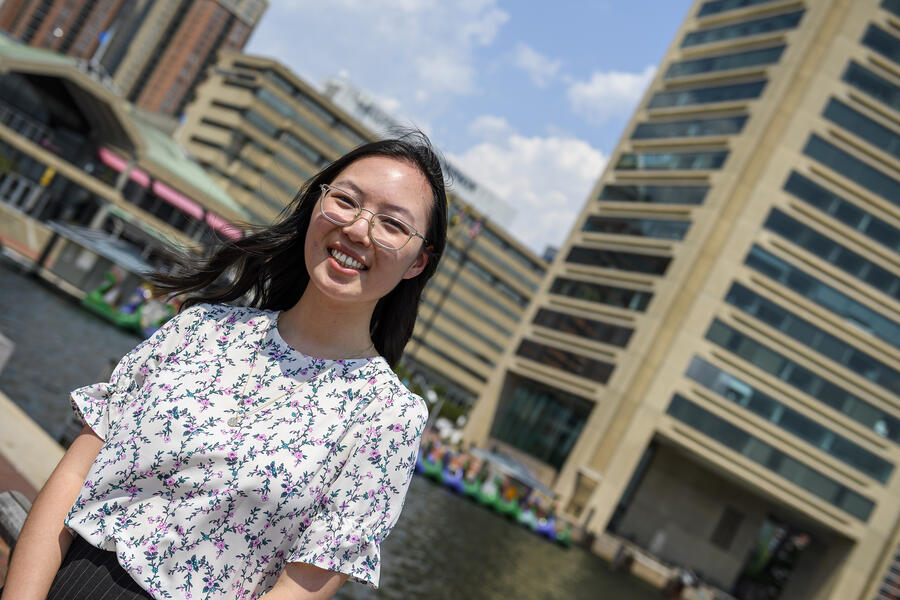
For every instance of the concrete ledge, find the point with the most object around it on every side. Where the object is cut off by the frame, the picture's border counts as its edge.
(26, 445)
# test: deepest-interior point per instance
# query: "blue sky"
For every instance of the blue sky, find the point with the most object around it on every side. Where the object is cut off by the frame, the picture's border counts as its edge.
(529, 98)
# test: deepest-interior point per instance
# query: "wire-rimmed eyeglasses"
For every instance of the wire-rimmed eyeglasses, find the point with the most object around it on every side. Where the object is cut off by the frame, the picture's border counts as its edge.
(387, 231)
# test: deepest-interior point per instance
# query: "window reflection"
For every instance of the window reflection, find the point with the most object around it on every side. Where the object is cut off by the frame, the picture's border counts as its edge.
(743, 29)
(601, 293)
(874, 85)
(853, 169)
(614, 259)
(804, 380)
(591, 329)
(656, 228)
(672, 161)
(570, 362)
(717, 6)
(862, 126)
(882, 42)
(724, 62)
(654, 194)
(730, 387)
(722, 93)
(693, 128)
(770, 457)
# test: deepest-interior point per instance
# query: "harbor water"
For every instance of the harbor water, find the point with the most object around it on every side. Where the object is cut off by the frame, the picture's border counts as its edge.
(443, 546)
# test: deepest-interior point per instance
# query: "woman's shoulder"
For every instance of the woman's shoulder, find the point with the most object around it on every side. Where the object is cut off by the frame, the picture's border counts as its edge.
(401, 399)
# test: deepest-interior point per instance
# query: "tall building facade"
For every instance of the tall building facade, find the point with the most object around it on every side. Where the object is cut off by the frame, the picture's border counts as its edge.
(261, 132)
(156, 51)
(712, 366)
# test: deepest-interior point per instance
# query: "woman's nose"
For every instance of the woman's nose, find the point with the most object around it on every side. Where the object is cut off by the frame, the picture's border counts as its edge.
(358, 230)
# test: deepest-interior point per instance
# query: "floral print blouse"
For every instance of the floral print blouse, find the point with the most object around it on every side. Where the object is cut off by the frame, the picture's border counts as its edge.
(195, 508)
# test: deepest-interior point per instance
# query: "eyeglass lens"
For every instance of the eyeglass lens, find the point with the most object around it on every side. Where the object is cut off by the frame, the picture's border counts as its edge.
(385, 230)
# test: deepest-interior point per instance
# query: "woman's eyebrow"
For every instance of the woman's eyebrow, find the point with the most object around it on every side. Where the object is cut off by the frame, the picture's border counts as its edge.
(360, 195)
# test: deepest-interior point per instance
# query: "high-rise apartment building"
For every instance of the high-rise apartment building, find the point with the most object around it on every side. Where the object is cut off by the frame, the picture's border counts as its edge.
(712, 367)
(156, 51)
(261, 132)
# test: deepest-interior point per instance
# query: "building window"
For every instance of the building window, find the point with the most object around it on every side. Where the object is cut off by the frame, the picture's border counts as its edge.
(862, 126)
(833, 252)
(853, 169)
(450, 359)
(813, 337)
(743, 29)
(874, 85)
(804, 380)
(654, 194)
(882, 42)
(727, 528)
(844, 211)
(676, 161)
(718, 6)
(655, 228)
(615, 335)
(570, 362)
(725, 62)
(761, 404)
(768, 456)
(260, 122)
(623, 261)
(707, 95)
(844, 306)
(539, 420)
(692, 128)
(601, 293)
(891, 5)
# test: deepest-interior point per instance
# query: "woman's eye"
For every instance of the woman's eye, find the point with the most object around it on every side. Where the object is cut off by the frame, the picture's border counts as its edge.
(394, 225)
(344, 201)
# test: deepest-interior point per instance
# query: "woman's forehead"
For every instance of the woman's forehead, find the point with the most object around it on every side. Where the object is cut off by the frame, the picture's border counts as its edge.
(387, 181)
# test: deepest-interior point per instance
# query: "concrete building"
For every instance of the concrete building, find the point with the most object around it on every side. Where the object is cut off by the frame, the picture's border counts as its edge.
(261, 131)
(712, 366)
(156, 51)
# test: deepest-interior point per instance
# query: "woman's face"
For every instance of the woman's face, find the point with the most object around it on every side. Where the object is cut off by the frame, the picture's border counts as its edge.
(382, 185)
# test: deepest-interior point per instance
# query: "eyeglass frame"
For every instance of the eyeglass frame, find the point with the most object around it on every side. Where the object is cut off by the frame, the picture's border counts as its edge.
(359, 210)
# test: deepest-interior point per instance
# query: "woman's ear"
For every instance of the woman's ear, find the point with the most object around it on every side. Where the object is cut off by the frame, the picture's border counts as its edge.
(417, 266)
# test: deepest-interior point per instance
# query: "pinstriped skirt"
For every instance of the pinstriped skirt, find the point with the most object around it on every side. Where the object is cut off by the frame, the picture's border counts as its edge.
(89, 573)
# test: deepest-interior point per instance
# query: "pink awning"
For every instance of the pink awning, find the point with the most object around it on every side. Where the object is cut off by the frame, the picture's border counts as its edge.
(223, 226)
(179, 201)
(119, 164)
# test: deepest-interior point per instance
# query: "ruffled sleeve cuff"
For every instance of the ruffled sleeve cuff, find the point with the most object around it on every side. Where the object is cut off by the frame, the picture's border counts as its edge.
(338, 544)
(92, 405)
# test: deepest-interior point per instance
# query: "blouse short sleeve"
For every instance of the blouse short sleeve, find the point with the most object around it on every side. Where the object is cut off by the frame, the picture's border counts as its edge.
(362, 504)
(98, 405)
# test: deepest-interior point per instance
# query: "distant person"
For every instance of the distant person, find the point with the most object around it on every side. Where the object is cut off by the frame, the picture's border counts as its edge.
(259, 451)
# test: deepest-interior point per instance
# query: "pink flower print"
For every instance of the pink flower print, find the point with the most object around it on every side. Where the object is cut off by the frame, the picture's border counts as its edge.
(145, 370)
(264, 497)
(372, 381)
(240, 528)
(354, 539)
(231, 456)
(170, 482)
(396, 427)
(152, 549)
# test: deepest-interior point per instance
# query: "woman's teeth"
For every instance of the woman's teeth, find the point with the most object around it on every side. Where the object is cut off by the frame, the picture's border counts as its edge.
(347, 261)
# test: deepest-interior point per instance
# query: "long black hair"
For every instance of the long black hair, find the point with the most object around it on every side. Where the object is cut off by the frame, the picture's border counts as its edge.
(267, 269)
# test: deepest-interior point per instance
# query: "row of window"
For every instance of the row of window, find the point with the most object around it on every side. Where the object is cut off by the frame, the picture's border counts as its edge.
(743, 29)
(691, 128)
(601, 293)
(486, 276)
(725, 62)
(862, 126)
(502, 265)
(454, 341)
(615, 259)
(827, 249)
(675, 161)
(759, 403)
(655, 228)
(717, 6)
(768, 456)
(526, 261)
(570, 362)
(470, 309)
(813, 337)
(467, 327)
(853, 169)
(450, 359)
(707, 95)
(816, 386)
(872, 84)
(891, 5)
(882, 42)
(654, 194)
(285, 109)
(844, 211)
(538, 419)
(615, 335)
(824, 295)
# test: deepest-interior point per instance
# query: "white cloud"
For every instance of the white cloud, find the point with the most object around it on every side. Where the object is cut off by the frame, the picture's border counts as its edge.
(609, 94)
(540, 69)
(421, 51)
(546, 179)
(490, 128)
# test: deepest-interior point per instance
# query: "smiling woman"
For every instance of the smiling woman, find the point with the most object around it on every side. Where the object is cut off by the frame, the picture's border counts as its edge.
(265, 450)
